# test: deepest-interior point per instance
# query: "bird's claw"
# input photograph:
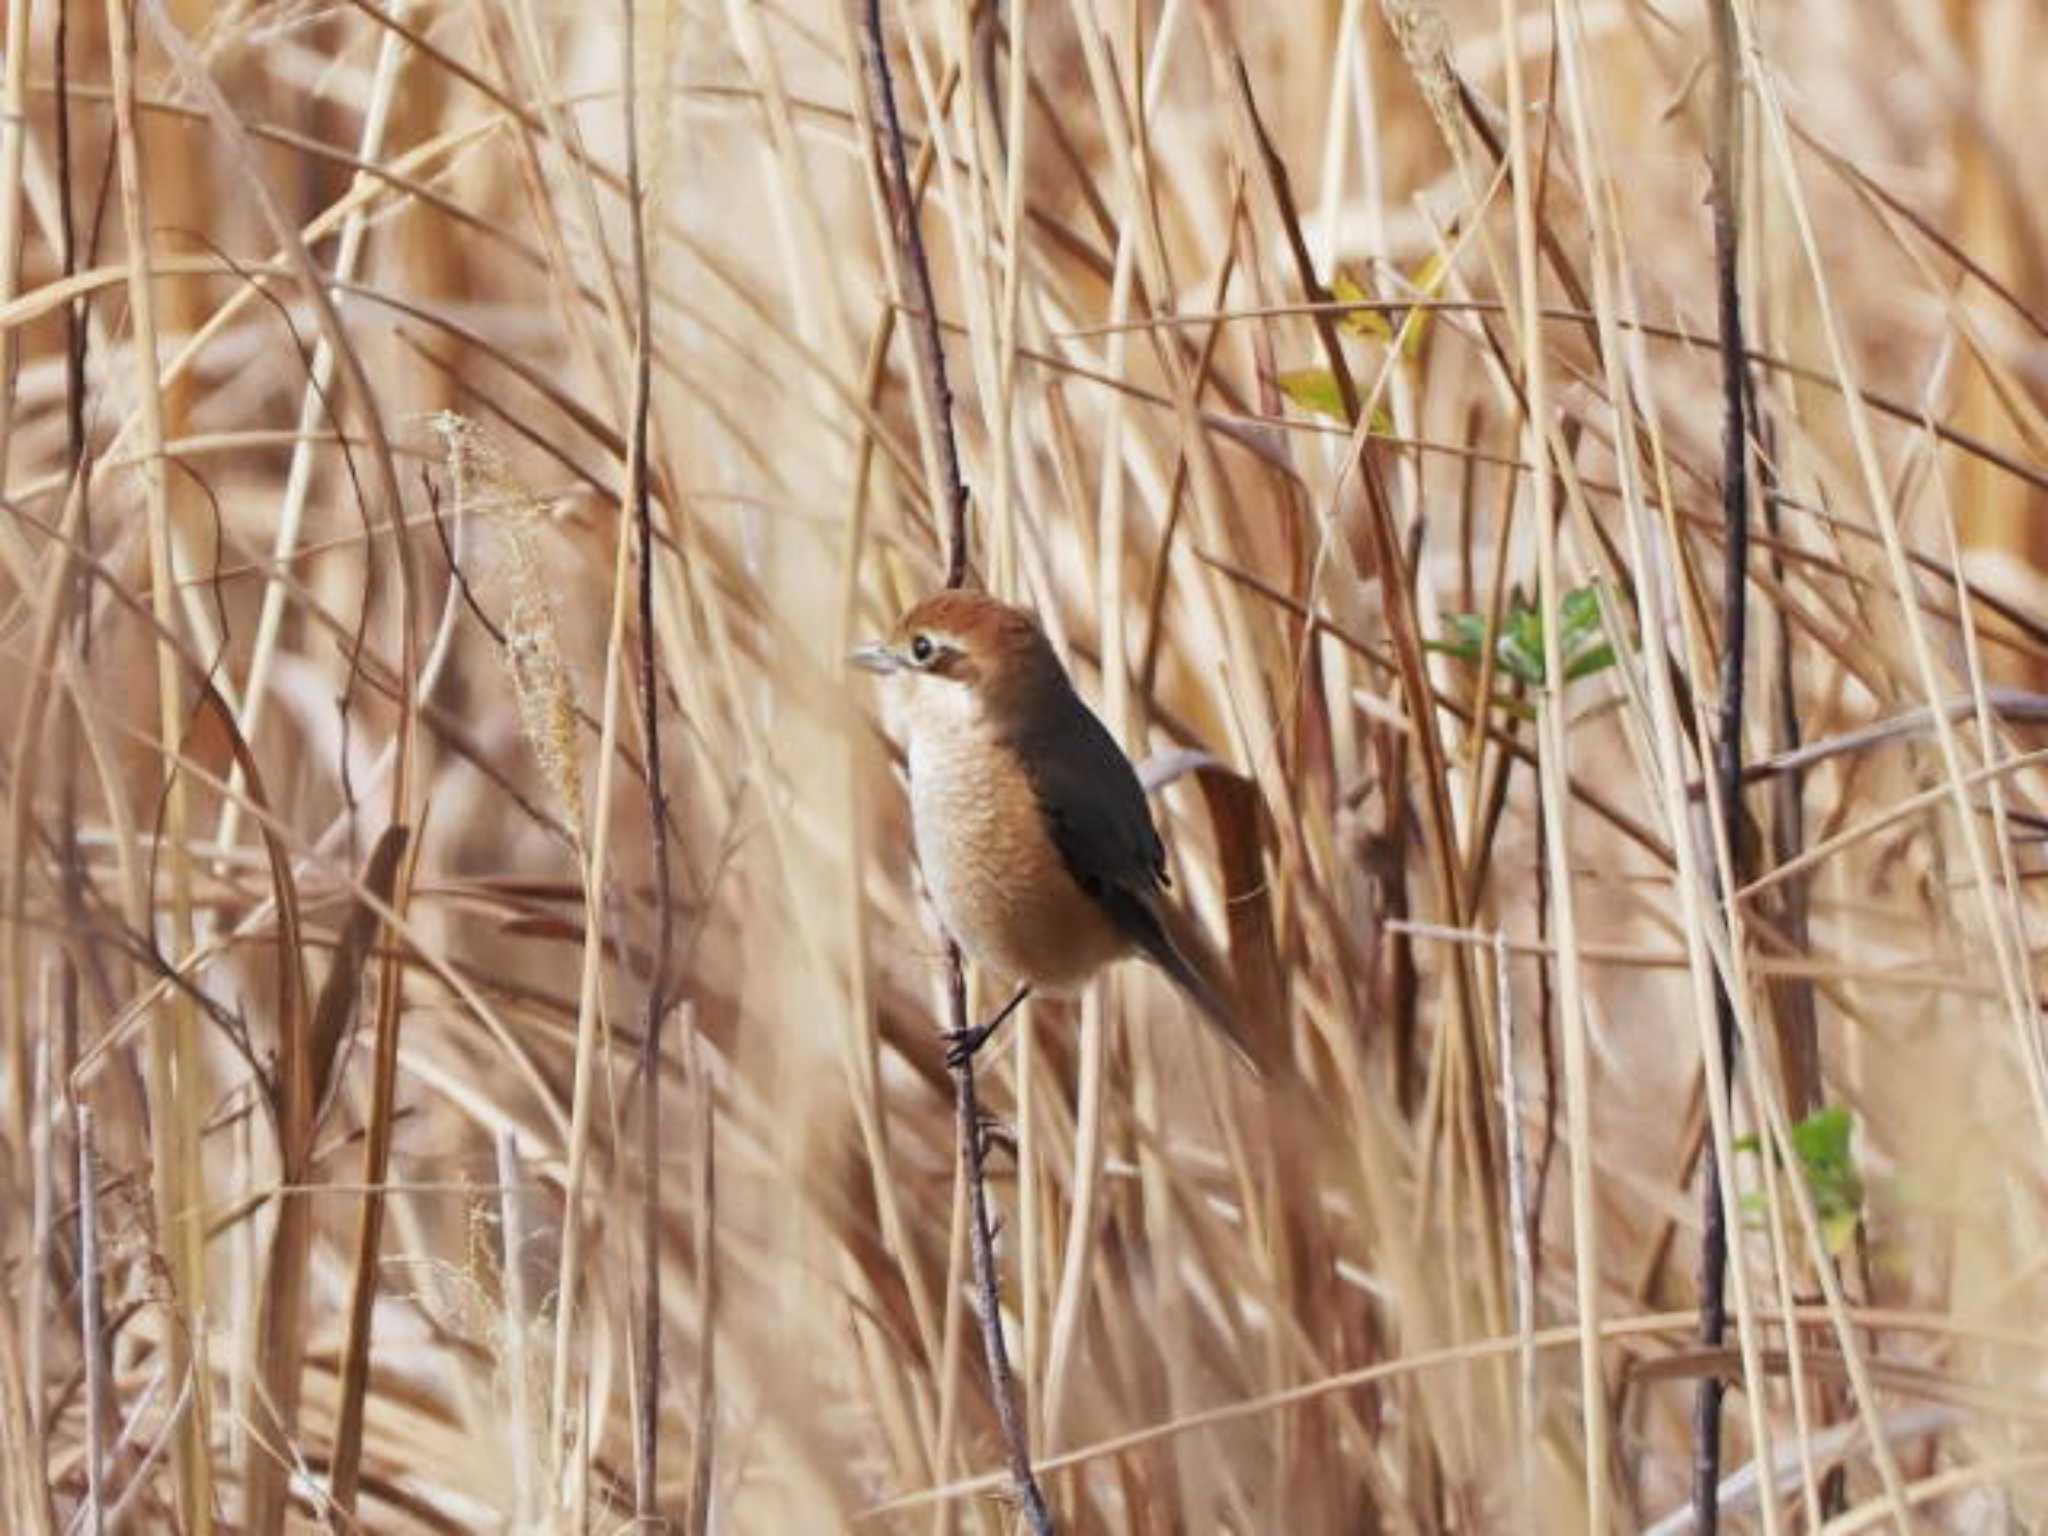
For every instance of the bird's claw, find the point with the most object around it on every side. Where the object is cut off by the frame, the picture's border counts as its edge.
(961, 1044)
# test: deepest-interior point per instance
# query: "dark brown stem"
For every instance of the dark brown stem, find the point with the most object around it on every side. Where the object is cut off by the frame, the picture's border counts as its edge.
(1797, 1025)
(1706, 1471)
(1305, 270)
(647, 1443)
(917, 274)
(703, 1227)
(988, 1304)
(952, 496)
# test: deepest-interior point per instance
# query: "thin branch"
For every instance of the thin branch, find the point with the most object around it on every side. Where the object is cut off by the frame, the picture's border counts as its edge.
(702, 1243)
(91, 1324)
(98, 1358)
(1723, 151)
(1282, 188)
(939, 400)
(917, 272)
(988, 1303)
(647, 1443)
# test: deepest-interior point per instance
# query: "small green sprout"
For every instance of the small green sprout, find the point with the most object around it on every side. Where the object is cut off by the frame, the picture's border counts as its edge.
(1518, 648)
(1408, 326)
(1823, 1144)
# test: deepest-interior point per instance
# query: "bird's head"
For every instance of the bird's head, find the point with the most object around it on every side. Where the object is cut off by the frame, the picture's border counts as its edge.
(961, 650)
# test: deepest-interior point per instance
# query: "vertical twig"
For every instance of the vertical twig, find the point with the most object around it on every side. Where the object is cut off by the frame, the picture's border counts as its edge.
(93, 1343)
(42, 1199)
(1519, 1218)
(939, 401)
(704, 1220)
(1798, 1031)
(967, 1127)
(1282, 188)
(28, 1081)
(1723, 148)
(931, 356)
(647, 1443)
(90, 1323)
(174, 1046)
(1546, 1000)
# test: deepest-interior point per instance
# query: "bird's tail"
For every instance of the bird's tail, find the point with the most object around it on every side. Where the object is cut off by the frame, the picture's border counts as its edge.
(1174, 943)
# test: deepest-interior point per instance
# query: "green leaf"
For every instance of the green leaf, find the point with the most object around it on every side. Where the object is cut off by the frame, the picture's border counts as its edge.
(1313, 389)
(1822, 1138)
(1824, 1143)
(1470, 629)
(1369, 323)
(1518, 650)
(1586, 663)
(1521, 646)
(1520, 659)
(1578, 613)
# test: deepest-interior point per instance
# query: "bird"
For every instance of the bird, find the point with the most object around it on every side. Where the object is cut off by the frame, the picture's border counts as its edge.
(1038, 848)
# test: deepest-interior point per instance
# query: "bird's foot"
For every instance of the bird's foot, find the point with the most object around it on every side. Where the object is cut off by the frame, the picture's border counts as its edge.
(961, 1044)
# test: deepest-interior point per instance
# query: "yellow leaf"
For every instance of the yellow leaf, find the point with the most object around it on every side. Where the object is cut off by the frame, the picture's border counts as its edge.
(1345, 289)
(1313, 389)
(1428, 282)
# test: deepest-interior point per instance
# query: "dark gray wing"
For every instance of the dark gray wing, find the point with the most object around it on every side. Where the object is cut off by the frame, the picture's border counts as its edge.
(1096, 812)
(1092, 802)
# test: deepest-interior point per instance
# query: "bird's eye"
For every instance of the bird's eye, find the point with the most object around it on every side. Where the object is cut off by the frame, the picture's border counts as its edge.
(922, 649)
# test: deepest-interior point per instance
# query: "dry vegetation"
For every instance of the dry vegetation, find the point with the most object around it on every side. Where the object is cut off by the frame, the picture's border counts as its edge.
(337, 900)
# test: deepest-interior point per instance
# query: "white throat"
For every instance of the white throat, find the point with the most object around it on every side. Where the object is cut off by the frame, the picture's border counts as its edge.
(924, 711)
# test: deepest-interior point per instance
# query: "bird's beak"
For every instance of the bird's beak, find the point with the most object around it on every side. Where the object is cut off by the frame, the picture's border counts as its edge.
(875, 658)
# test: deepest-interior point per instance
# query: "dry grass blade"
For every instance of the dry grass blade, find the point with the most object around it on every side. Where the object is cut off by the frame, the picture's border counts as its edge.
(92, 1323)
(174, 1049)
(309, 1047)
(363, 1283)
(280, 1327)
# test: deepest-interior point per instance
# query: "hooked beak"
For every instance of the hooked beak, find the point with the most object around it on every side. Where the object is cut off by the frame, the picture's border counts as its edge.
(875, 658)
